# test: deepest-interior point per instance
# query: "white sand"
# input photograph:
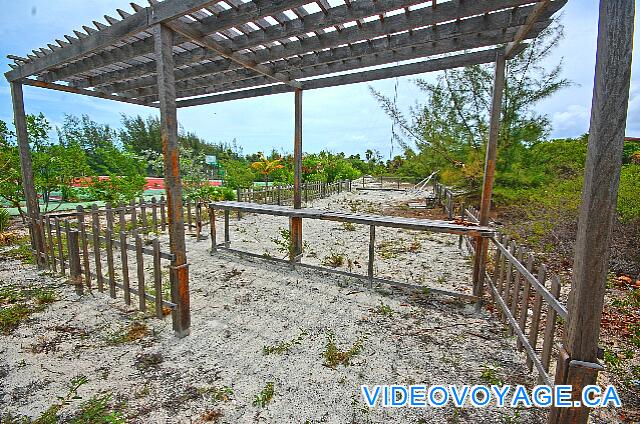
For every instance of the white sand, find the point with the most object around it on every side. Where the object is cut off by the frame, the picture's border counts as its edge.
(240, 305)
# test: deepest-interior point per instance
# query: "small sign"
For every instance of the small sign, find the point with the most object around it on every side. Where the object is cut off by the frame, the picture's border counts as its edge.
(211, 160)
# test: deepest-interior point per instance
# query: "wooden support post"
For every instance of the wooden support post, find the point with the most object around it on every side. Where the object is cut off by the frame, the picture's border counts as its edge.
(124, 261)
(157, 277)
(60, 251)
(489, 173)
(296, 222)
(163, 214)
(372, 253)
(75, 272)
(142, 303)
(95, 230)
(227, 235)
(599, 199)
(163, 40)
(31, 197)
(212, 228)
(85, 244)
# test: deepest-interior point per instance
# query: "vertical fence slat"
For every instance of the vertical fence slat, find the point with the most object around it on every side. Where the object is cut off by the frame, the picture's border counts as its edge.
(134, 215)
(124, 260)
(95, 229)
(143, 215)
(227, 238)
(535, 317)
(198, 220)
(515, 296)
(550, 325)
(142, 304)
(157, 277)
(163, 214)
(51, 248)
(75, 275)
(507, 285)
(212, 228)
(60, 251)
(524, 310)
(85, 245)
(108, 234)
(154, 214)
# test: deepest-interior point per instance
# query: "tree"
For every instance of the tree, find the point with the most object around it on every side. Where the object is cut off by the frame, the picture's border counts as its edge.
(450, 130)
(265, 167)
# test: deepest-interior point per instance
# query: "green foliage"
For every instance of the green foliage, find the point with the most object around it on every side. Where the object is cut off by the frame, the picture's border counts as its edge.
(265, 396)
(237, 174)
(19, 303)
(285, 346)
(333, 356)
(115, 189)
(629, 192)
(5, 220)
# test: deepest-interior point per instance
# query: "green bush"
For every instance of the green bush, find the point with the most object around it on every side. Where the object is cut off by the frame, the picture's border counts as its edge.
(5, 219)
(212, 193)
(117, 189)
(629, 193)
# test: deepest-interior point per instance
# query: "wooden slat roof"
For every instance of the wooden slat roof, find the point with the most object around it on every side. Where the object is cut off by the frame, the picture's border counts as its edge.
(236, 48)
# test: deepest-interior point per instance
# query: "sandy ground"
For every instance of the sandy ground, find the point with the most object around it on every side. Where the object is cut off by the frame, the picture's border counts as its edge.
(241, 305)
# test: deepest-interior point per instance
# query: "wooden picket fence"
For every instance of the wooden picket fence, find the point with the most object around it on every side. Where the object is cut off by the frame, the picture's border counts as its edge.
(115, 249)
(283, 195)
(523, 291)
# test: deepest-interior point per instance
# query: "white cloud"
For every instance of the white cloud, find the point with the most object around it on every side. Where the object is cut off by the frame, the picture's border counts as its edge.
(573, 120)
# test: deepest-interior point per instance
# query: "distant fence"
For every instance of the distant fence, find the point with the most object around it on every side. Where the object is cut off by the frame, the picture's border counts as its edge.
(283, 195)
(526, 295)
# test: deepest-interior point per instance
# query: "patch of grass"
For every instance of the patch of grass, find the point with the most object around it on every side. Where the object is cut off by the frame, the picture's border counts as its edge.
(265, 396)
(334, 260)
(490, 375)
(20, 250)
(217, 394)
(5, 220)
(415, 245)
(284, 346)
(136, 331)
(333, 356)
(384, 309)
(348, 226)
(18, 303)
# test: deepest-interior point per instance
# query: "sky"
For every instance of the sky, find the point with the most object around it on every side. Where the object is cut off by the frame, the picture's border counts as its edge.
(343, 118)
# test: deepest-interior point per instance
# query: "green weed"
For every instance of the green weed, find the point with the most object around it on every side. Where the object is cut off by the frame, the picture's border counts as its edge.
(334, 356)
(284, 346)
(265, 396)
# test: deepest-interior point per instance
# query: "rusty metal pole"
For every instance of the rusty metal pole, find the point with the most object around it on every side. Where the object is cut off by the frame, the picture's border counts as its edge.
(578, 359)
(296, 222)
(163, 38)
(31, 197)
(489, 173)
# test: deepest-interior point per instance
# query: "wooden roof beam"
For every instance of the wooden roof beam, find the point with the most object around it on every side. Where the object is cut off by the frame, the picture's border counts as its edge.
(342, 14)
(90, 93)
(432, 65)
(524, 30)
(494, 21)
(132, 25)
(206, 41)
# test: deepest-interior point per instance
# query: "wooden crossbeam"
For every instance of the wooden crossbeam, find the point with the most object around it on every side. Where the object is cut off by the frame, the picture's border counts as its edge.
(341, 14)
(382, 55)
(373, 29)
(60, 87)
(129, 26)
(205, 41)
(524, 30)
(461, 60)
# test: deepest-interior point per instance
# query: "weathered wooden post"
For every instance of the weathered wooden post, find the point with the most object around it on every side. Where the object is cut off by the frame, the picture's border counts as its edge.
(33, 208)
(577, 363)
(296, 222)
(75, 270)
(163, 42)
(489, 173)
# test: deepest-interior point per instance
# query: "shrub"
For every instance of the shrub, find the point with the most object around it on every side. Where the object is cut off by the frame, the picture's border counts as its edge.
(5, 219)
(117, 189)
(629, 193)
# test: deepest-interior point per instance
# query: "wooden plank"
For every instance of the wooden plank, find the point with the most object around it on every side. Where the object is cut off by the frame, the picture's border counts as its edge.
(296, 222)
(95, 229)
(189, 216)
(372, 254)
(75, 272)
(212, 228)
(109, 35)
(432, 65)
(60, 250)
(602, 171)
(140, 270)
(524, 309)
(370, 30)
(515, 298)
(163, 214)
(489, 168)
(506, 294)
(143, 216)
(535, 316)
(154, 214)
(26, 171)
(85, 245)
(203, 40)
(134, 214)
(227, 238)
(550, 325)
(110, 263)
(83, 92)
(173, 184)
(539, 9)
(51, 248)
(157, 277)
(124, 261)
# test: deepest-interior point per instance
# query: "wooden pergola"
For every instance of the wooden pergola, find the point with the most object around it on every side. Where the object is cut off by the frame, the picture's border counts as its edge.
(182, 53)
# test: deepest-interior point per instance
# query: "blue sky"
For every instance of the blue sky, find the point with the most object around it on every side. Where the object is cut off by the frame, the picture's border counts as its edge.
(340, 119)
